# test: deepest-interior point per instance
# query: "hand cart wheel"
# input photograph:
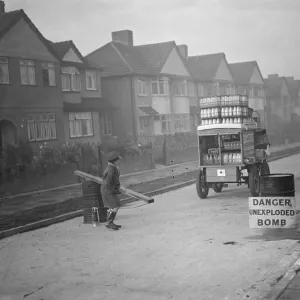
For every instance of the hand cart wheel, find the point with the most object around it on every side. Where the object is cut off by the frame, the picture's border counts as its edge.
(201, 185)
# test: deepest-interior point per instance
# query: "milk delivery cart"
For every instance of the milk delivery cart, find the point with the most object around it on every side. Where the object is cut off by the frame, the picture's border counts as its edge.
(232, 146)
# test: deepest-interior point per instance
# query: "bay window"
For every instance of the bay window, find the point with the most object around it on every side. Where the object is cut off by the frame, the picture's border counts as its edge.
(159, 87)
(251, 91)
(27, 70)
(41, 127)
(182, 122)
(200, 90)
(242, 90)
(71, 80)
(165, 123)
(192, 89)
(144, 123)
(181, 88)
(81, 124)
(4, 73)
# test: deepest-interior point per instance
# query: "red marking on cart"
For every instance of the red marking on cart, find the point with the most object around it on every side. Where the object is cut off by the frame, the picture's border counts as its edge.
(221, 172)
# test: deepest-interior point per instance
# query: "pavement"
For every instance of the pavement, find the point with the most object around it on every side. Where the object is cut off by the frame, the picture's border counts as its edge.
(28, 201)
(181, 247)
(292, 292)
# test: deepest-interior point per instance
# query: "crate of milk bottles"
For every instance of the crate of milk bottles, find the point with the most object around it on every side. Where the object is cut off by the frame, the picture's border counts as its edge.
(231, 158)
(211, 159)
(235, 100)
(210, 113)
(210, 102)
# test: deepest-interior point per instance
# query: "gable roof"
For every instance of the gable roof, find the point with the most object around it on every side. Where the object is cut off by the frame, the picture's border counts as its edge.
(10, 19)
(205, 67)
(61, 48)
(274, 85)
(293, 87)
(120, 59)
(243, 71)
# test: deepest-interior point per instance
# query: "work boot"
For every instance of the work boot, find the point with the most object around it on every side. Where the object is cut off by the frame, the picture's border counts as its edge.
(113, 215)
(111, 225)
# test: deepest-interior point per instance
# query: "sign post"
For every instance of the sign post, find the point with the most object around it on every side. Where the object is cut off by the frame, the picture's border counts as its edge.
(272, 212)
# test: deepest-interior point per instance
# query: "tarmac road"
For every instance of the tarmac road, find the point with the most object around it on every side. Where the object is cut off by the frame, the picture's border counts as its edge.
(172, 249)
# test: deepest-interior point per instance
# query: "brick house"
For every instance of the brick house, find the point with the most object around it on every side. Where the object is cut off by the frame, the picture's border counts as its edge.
(279, 106)
(294, 90)
(148, 83)
(30, 88)
(87, 116)
(249, 81)
(212, 77)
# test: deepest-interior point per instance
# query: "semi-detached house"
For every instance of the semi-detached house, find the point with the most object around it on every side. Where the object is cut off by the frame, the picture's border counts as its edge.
(30, 89)
(87, 117)
(48, 91)
(149, 84)
(249, 81)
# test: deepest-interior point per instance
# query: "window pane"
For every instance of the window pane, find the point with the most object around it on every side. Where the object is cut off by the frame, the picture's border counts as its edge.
(72, 129)
(31, 131)
(161, 87)
(46, 80)
(24, 77)
(90, 127)
(65, 82)
(155, 87)
(31, 75)
(84, 127)
(4, 75)
(52, 129)
(52, 77)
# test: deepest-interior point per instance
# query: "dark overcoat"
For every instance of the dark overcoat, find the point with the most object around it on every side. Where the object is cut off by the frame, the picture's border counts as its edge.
(110, 189)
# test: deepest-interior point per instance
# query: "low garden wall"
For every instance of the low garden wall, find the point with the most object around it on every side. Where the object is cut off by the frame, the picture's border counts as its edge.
(24, 169)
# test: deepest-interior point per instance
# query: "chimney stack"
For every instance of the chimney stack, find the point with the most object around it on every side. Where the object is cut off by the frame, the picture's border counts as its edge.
(183, 49)
(273, 76)
(2, 8)
(123, 36)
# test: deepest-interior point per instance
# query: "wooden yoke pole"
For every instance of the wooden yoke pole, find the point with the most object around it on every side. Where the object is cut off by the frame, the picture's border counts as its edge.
(122, 189)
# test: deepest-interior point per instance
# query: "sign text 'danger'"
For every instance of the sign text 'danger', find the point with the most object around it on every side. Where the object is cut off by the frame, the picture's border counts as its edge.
(272, 212)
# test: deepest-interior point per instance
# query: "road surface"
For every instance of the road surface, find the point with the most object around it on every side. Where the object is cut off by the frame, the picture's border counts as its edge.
(172, 249)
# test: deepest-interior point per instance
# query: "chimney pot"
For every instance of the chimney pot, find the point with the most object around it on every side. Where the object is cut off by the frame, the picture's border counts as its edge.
(123, 36)
(2, 7)
(183, 49)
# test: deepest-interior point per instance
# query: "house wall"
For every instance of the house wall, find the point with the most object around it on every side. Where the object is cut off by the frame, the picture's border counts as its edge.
(174, 65)
(18, 118)
(223, 72)
(22, 42)
(143, 100)
(16, 101)
(96, 138)
(117, 90)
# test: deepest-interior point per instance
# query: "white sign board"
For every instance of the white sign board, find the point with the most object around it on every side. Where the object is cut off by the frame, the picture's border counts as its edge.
(272, 212)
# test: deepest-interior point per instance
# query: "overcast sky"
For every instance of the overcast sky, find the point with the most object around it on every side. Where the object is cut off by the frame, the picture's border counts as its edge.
(263, 30)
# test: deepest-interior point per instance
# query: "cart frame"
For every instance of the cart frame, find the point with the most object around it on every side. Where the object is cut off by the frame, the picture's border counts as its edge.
(254, 168)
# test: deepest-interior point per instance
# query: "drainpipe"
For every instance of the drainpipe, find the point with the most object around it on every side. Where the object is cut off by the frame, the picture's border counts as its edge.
(133, 107)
